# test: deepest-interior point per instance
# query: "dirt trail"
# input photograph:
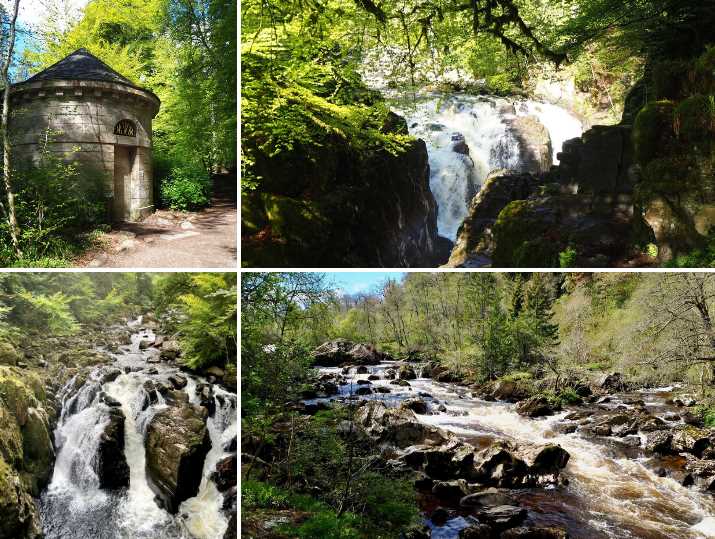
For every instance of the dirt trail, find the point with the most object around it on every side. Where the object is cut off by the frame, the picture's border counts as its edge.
(205, 239)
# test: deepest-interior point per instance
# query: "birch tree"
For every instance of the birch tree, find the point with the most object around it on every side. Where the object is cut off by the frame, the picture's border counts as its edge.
(7, 162)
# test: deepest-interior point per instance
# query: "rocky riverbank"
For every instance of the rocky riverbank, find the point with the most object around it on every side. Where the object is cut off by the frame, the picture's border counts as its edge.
(498, 460)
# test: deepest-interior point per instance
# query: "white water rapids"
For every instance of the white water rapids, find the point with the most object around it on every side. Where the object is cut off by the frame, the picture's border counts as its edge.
(73, 506)
(613, 492)
(482, 121)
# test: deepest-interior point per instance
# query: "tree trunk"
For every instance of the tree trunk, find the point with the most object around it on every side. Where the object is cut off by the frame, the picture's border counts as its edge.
(7, 165)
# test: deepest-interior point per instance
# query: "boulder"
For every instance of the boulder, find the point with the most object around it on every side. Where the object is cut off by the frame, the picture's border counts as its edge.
(363, 390)
(690, 418)
(8, 355)
(498, 465)
(340, 351)
(176, 444)
(226, 473)
(110, 463)
(611, 382)
(418, 406)
(440, 516)
(535, 151)
(691, 440)
(502, 517)
(406, 373)
(179, 381)
(450, 491)
(487, 498)
(38, 452)
(476, 531)
(396, 426)
(659, 442)
(170, 350)
(536, 406)
(545, 460)
(475, 243)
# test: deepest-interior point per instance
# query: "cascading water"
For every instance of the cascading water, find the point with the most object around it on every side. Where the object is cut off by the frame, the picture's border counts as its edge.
(614, 491)
(74, 506)
(450, 125)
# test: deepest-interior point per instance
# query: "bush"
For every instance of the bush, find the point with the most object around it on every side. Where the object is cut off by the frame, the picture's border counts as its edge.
(516, 376)
(187, 188)
(567, 258)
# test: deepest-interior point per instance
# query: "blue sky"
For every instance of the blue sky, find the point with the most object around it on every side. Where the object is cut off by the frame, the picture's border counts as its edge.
(33, 14)
(363, 281)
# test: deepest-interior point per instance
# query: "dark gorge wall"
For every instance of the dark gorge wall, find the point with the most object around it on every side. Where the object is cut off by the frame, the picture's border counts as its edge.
(342, 207)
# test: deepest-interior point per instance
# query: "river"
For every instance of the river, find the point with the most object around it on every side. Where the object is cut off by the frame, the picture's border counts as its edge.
(614, 488)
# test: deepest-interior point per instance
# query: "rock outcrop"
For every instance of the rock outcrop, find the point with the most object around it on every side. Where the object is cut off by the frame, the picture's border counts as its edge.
(176, 443)
(110, 463)
(396, 426)
(342, 208)
(340, 351)
(26, 452)
(475, 243)
(535, 150)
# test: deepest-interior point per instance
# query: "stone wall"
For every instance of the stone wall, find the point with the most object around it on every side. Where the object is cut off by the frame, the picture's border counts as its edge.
(79, 118)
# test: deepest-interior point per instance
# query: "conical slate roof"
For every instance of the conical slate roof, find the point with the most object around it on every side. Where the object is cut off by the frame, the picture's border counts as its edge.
(81, 65)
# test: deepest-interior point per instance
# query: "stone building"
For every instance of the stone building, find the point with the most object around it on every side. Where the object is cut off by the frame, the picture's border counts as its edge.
(95, 117)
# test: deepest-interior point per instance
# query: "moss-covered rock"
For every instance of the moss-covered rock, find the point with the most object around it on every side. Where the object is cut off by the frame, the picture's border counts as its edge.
(521, 237)
(19, 514)
(653, 130)
(695, 119)
(38, 451)
(8, 354)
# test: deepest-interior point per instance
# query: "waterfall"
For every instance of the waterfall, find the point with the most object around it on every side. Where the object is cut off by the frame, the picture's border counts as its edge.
(612, 492)
(467, 137)
(74, 506)
(205, 516)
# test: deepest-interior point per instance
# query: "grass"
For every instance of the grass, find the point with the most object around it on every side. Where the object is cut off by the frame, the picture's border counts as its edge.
(322, 520)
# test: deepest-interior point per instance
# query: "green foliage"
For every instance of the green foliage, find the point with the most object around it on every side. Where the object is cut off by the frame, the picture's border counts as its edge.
(702, 257)
(57, 203)
(517, 376)
(206, 320)
(322, 522)
(500, 84)
(52, 311)
(708, 416)
(259, 494)
(567, 258)
(187, 188)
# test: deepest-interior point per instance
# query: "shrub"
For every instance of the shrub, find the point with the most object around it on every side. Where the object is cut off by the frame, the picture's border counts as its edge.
(516, 376)
(187, 188)
(567, 258)
(500, 84)
(709, 417)
(256, 494)
(569, 396)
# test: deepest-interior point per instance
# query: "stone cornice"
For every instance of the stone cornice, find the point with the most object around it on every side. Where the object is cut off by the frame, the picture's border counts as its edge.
(28, 91)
